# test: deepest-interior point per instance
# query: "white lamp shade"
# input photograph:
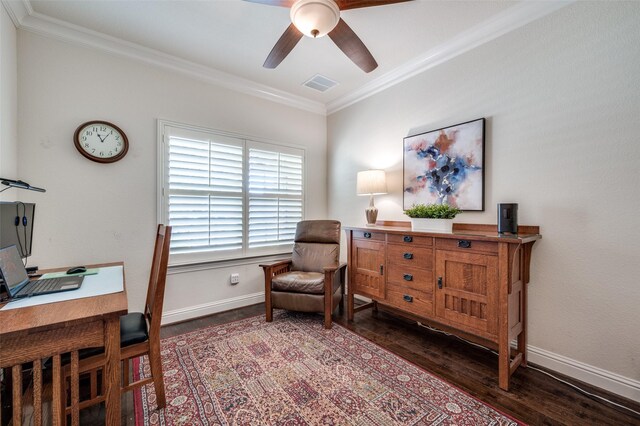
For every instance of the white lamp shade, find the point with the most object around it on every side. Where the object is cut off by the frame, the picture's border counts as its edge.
(371, 182)
(315, 18)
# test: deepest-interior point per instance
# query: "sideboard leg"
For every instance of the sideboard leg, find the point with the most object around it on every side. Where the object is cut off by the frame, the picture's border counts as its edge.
(504, 349)
(522, 337)
(504, 372)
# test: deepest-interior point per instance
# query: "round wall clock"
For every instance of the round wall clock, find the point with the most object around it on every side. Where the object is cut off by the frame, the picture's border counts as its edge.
(101, 141)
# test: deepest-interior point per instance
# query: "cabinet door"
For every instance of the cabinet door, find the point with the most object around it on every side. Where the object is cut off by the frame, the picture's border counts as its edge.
(467, 290)
(368, 268)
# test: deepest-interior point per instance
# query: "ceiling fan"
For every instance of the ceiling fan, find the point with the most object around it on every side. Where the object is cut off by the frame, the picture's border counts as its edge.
(316, 18)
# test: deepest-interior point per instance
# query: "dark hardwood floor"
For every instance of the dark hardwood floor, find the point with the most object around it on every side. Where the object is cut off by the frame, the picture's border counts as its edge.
(534, 397)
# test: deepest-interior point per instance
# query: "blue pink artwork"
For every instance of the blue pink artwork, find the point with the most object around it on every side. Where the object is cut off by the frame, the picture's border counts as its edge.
(446, 166)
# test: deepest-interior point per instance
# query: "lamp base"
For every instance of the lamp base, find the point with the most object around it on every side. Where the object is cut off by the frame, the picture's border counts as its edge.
(372, 215)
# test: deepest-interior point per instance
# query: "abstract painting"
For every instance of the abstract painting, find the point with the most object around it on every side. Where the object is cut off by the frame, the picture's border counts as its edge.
(446, 166)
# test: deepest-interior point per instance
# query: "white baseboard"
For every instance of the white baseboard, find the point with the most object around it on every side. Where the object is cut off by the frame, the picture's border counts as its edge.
(612, 382)
(205, 309)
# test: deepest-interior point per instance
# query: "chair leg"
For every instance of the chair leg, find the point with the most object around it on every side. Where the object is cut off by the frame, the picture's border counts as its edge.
(327, 320)
(156, 373)
(267, 303)
(126, 379)
(341, 306)
(328, 304)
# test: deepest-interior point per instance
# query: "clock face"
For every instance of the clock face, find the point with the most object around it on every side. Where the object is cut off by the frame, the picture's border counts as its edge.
(101, 141)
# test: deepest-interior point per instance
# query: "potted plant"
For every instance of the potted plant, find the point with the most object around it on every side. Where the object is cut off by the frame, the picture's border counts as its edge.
(432, 217)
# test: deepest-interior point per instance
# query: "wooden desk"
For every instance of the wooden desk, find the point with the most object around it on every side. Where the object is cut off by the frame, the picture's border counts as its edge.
(39, 332)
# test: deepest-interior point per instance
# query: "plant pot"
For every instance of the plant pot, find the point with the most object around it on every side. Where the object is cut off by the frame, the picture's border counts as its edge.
(432, 225)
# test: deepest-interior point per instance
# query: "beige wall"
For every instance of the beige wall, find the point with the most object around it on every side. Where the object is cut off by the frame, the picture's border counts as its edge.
(562, 102)
(107, 212)
(8, 104)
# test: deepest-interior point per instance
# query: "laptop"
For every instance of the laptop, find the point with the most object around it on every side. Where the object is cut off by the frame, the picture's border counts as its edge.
(17, 282)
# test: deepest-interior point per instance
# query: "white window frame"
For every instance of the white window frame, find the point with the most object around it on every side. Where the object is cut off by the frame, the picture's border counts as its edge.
(164, 129)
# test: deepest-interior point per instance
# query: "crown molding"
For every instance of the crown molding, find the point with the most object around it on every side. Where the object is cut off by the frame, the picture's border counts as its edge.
(510, 19)
(17, 10)
(26, 19)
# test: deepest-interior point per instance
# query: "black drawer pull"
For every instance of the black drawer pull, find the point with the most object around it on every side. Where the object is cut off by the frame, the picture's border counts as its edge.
(367, 234)
(408, 255)
(464, 243)
(408, 277)
(408, 239)
(407, 298)
(440, 282)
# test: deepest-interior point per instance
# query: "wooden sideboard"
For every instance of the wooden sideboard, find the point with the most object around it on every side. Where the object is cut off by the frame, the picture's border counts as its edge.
(472, 282)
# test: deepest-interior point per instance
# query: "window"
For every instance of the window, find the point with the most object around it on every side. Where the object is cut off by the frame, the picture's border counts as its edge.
(227, 196)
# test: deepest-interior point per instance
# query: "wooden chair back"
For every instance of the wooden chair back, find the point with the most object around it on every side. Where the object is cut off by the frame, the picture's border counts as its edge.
(157, 280)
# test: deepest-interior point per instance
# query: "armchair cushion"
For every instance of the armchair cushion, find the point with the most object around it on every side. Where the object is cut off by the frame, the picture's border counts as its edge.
(318, 231)
(314, 257)
(299, 282)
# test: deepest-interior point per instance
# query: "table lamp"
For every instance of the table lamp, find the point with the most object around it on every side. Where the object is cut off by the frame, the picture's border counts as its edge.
(371, 182)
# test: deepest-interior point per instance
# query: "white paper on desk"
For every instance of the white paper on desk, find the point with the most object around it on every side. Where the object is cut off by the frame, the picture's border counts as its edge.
(106, 281)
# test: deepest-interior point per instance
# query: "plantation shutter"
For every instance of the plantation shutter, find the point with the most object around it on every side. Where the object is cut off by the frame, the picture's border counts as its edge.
(275, 196)
(228, 197)
(205, 200)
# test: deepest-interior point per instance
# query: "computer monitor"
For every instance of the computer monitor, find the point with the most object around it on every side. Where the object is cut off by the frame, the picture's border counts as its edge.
(16, 226)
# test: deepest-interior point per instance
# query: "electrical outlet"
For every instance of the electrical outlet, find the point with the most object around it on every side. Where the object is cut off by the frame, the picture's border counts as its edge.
(235, 278)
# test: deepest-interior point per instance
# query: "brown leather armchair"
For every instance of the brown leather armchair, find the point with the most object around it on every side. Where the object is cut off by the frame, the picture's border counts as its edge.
(313, 279)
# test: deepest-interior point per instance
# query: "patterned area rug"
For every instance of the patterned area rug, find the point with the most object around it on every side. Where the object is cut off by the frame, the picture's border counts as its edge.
(294, 372)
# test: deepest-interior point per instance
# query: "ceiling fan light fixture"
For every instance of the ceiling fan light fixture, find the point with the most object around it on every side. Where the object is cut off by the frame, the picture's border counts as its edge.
(315, 18)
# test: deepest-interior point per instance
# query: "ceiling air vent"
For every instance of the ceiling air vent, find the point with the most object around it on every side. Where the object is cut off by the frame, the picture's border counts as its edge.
(320, 83)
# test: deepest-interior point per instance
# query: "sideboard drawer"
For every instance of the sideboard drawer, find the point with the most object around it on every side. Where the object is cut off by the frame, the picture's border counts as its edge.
(410, 256)
(418, 279)
(411, 300)
(407, 239)
(368, 235)
(463, 244)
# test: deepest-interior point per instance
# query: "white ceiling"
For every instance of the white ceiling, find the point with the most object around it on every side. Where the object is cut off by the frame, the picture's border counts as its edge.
(227, 41)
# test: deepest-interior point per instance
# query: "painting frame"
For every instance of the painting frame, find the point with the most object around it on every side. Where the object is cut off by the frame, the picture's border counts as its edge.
(441, 166)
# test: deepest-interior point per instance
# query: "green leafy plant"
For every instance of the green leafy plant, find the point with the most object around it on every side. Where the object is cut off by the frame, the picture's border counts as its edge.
(432, 211)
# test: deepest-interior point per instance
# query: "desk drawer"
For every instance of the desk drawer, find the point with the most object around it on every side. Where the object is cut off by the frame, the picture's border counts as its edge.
(368, 235)
(416, 240)
(410, 300)
(409, 256)
(463, 244)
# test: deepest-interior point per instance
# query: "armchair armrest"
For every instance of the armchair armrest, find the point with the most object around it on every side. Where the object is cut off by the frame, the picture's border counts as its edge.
(278, 263)
(276, 268)
(334, 268)
(270, 271)
(334, 274)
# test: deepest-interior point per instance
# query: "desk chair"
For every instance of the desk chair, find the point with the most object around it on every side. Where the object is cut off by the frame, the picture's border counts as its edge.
(139, 335)
(313, 279)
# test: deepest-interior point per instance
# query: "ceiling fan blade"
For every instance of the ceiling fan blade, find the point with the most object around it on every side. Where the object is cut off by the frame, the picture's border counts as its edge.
(355, 4)
(282, 3)
(283, 47)
(344, 37)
